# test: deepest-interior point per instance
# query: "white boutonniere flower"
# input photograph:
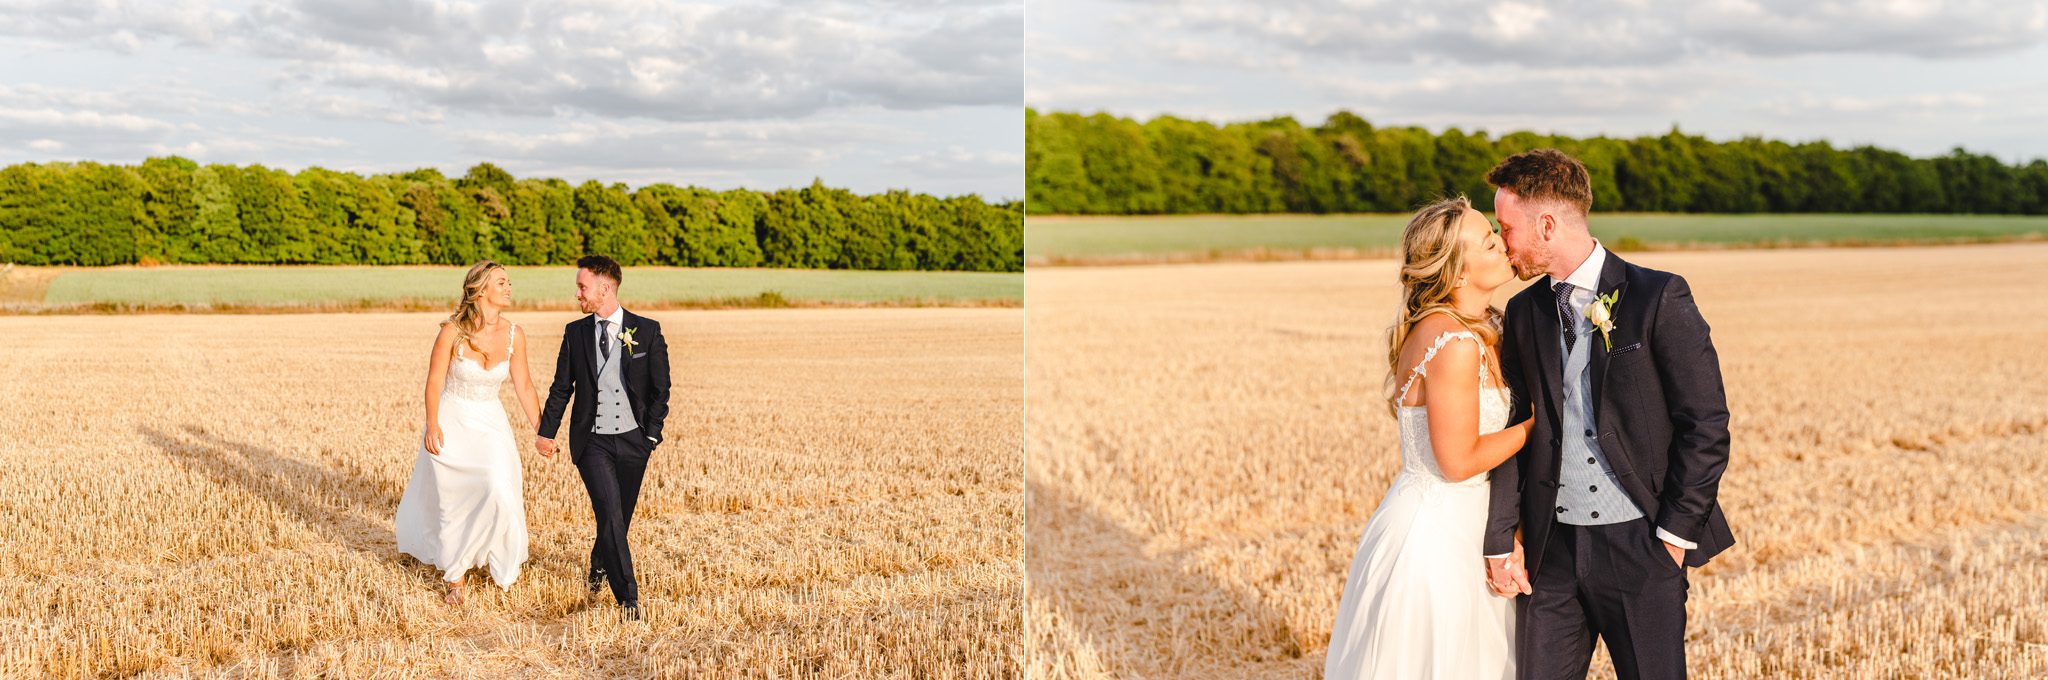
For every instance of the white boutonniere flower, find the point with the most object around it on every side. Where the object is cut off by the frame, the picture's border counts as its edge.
(1601, 313)
(626, 338)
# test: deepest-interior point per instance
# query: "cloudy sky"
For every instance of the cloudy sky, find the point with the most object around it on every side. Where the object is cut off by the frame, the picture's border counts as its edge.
(1919, 76)
(865, 94)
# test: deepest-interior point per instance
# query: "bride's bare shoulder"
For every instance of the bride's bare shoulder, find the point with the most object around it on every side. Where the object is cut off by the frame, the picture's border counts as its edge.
(1431, 327)
(1415, 350)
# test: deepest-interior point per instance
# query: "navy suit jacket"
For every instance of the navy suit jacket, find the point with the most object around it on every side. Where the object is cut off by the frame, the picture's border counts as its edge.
(644, 371)
(1658, 405)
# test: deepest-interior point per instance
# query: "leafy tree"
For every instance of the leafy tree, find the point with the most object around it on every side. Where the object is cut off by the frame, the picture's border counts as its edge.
(1101, 164)
(611, 225)
(169, 204)
(173, 210)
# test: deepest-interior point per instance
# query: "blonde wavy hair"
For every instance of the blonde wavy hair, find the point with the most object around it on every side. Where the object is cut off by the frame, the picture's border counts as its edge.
(1432, 261)
(468, 319)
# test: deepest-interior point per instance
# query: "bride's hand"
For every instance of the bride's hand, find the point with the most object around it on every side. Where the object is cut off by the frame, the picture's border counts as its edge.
(433, 439)
(1503, 575)
(1508, 577)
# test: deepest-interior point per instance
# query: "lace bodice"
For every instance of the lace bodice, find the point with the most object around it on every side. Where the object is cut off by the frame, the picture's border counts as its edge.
(468, 379)
(1416, 454)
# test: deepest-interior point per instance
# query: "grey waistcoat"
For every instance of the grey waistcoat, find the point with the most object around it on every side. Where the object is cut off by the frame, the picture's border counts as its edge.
(1587, 493)
(613, 416)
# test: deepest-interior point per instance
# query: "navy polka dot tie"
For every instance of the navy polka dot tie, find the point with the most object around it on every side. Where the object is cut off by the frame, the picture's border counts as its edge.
(1566, 317)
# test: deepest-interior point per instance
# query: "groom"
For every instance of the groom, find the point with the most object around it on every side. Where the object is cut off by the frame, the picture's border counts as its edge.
(616, 364)
(1615, 492)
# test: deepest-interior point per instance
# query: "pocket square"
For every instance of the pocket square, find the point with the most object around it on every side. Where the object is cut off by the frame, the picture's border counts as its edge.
(642, 354)
(1633, 346)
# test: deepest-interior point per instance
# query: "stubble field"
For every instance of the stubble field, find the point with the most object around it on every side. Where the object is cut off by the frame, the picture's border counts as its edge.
(840, 496)
(1207, 442)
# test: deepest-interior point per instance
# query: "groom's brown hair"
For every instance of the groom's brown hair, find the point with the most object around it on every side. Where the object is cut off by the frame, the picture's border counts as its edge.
(601, 266)
(1545, 175)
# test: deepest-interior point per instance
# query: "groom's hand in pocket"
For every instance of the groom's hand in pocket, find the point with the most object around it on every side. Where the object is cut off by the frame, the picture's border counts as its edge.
(1677, 554)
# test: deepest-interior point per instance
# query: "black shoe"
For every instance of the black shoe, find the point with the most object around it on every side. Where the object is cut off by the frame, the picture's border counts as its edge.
(595, 579)
(630, 610)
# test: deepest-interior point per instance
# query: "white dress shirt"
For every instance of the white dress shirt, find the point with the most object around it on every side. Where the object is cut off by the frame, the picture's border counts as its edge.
(608, 334)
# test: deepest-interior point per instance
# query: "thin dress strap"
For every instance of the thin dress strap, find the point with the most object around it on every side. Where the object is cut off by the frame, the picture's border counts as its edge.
(1422, 366)
(511, 341)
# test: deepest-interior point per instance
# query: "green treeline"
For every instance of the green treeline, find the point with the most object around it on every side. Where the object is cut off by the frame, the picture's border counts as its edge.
(1103, 164)
(172, 210)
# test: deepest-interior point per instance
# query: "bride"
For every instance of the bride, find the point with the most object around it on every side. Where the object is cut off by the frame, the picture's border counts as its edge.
(463, 507)
(1417, 603)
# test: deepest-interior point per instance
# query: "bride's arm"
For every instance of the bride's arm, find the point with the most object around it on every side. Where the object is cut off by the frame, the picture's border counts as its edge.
(437, 376)
(1451, 390)
(522, 379)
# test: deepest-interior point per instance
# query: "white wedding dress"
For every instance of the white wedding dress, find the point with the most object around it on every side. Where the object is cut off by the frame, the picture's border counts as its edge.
(1416, 604)
(465, 508)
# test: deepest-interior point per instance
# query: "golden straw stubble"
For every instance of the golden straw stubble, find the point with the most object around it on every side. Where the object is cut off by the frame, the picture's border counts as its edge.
(840, 495)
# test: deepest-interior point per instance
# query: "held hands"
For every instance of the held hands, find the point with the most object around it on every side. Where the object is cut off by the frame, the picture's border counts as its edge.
(545, 446)
(432, 440)
(1507, 576)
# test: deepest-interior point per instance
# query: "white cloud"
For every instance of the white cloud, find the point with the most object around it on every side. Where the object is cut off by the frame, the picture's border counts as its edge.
(1808, 105)
(1514, 21)
(610, 58)
(118, 25)
(49, 119)
(960, 162)
(1918, 75)
(621, 90)
(1532, 93)
(1456, 31)
(158, 99)
(357, 107)
(188, 150)
(1120, 95)
(1598, 33)
(677, 146)
(1900, 27)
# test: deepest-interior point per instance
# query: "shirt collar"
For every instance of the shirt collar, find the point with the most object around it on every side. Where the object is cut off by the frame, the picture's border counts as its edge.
(1587, 276)
(618, 317)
